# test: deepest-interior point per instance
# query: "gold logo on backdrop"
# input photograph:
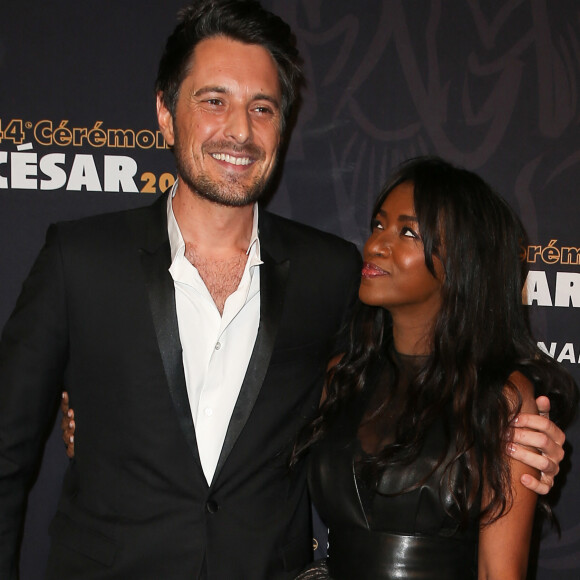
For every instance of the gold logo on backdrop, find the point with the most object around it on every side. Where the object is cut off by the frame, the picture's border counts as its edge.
(77, 171)
(48, 133)
(552, 254)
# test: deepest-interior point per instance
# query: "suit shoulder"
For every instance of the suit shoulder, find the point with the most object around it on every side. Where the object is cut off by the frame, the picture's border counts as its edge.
(299, 235)
(106, 224)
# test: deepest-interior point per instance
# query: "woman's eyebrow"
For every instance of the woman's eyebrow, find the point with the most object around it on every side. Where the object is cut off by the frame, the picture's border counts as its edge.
(402, 218)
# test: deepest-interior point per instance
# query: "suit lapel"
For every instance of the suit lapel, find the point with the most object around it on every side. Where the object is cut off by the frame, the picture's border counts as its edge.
(155, 260)
(273, 278)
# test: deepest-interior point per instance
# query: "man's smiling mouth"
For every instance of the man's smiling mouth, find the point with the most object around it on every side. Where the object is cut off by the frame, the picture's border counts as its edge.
(231, 159)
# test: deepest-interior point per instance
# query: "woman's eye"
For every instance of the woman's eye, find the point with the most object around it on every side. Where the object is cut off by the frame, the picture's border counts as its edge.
(376, 225)
(409, 233)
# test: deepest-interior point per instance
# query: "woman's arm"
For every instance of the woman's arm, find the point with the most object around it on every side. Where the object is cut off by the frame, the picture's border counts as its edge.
(504, 544)
(541, 434)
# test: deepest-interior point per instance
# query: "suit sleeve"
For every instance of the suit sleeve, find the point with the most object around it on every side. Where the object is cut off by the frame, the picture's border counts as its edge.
(352, 268)
(33, 354)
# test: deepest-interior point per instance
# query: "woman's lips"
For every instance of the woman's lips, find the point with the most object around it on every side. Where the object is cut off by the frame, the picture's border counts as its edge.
(370, 270)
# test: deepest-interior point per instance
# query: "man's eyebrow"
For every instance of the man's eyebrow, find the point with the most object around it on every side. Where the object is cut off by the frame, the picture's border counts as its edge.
(210, 89)
(265, 97)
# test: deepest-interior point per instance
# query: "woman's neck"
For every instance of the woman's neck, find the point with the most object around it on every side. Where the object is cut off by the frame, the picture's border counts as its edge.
(412, 339)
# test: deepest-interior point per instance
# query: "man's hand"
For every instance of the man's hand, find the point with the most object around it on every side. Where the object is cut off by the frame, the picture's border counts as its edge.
(68, 426)
(538, 432)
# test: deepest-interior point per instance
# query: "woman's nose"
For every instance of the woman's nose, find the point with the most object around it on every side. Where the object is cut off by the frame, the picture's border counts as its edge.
(379, 245)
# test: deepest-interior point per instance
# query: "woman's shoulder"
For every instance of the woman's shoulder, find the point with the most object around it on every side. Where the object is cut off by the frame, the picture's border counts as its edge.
(516, 383)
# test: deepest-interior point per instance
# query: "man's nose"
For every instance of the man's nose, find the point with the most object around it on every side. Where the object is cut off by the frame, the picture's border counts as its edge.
(239, 126)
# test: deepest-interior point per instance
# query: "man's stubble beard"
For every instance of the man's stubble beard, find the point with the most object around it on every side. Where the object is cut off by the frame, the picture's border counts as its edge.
(229, 192)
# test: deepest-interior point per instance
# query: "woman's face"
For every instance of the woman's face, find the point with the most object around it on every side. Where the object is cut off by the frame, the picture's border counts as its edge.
(394, 274)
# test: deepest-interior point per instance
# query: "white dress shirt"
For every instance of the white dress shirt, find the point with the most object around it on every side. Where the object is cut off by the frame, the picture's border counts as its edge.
(216, 349)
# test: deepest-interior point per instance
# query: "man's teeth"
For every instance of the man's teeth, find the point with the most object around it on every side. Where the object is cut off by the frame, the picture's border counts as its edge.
(229, 159)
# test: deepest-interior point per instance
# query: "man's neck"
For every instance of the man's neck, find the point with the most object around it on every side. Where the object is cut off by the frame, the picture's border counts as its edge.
(216, 241)
(215, 231)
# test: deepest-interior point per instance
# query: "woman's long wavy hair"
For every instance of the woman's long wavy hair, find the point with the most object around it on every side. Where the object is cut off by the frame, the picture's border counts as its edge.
(480, 336)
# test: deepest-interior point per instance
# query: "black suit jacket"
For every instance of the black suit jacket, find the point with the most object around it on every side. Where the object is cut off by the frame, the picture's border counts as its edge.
(97, 316)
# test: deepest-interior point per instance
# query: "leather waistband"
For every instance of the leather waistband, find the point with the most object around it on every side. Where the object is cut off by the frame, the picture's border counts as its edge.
(362, 554)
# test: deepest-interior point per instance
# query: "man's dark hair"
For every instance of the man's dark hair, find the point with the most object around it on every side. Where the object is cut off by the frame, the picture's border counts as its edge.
(242, 20)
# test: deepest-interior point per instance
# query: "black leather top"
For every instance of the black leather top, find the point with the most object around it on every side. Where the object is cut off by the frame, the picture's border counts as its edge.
(379, 532)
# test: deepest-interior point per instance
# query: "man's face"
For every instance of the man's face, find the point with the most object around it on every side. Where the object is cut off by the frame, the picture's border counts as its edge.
(226, 129)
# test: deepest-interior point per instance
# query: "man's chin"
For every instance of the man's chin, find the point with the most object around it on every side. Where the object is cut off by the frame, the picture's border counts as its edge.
(231, 201)
(228, 195)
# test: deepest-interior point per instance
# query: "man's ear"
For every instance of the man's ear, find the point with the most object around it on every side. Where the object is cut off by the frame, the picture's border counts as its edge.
(165, 120)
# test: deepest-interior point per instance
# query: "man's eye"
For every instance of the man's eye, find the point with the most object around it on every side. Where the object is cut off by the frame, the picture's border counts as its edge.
(263, 110)
(214, 102)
